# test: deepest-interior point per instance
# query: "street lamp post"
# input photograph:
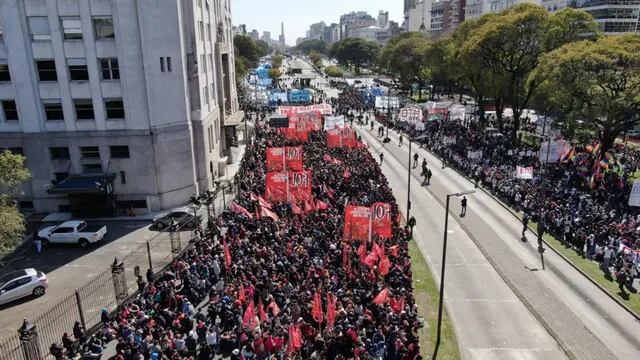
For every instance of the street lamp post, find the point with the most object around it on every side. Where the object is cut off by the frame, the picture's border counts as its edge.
(444, 262)
(409, 174)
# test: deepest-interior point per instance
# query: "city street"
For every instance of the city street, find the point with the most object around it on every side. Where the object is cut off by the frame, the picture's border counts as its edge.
(478, 297)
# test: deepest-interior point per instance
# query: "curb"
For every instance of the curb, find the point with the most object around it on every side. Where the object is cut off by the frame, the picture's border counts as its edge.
(514, 214)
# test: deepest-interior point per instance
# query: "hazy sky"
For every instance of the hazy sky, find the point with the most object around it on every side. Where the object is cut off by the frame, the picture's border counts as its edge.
(266, 15)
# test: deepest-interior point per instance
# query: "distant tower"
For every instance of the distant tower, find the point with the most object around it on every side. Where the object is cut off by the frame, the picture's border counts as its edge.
(282, 44)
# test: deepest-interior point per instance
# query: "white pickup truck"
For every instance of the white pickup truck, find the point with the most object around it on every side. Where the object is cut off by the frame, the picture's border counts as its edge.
(73, 232)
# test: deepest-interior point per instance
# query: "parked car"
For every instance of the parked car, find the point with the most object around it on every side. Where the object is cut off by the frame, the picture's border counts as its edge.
(183, 218)
(22, 283)
(73, 232)
(634, 134)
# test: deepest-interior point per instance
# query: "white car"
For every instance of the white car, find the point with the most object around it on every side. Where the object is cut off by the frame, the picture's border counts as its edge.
(73, 232)
(22, 283)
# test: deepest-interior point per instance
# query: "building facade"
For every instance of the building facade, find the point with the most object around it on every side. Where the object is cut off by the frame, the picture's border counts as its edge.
(419, 15)
(613, 16)
(354, 20)
(117, 103)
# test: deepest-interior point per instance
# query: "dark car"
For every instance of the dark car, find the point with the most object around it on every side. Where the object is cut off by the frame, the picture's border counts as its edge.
(183, 220)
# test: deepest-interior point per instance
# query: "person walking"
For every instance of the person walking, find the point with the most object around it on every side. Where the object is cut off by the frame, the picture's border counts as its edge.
(429, 173)
(401, 140)
(463, 205)
(525, 223)
(381, 158)
(37, 241)
(415, 160)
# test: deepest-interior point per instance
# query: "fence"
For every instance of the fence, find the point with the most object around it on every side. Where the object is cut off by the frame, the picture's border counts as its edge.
(106, 290)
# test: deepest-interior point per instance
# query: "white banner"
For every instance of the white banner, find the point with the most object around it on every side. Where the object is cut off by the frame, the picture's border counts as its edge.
(449, 140)
(419, 126)
(474, 155)
(524, 172)
(634, 197)
(411, 115)
(457, 112)
(553, 151)
(385, 101)
(334, 122)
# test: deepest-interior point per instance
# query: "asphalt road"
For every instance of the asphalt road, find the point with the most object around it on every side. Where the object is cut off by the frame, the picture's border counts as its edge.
(490, 320)
(69, 267)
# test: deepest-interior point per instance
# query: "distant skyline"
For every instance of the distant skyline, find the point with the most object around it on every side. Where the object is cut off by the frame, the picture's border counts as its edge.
(298, 15)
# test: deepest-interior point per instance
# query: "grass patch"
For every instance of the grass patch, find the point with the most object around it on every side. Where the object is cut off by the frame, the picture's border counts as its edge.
(426, 293)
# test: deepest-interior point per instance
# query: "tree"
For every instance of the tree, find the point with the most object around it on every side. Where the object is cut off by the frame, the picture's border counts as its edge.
(247, 53)
(355, 52)
(307, 46)
(509, 46)
(333, 71)
(599, 80)
(316, 59)
(12, 176)
(276, 60)
(275, 74)
(404, 57)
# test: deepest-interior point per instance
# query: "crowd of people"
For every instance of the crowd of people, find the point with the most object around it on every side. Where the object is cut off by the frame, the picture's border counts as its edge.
(266, 282)
(589, 213)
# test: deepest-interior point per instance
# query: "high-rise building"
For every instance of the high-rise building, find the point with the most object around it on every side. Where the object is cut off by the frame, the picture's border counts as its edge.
(613, 16)
(281, 39)
(354, 20)
(440, 15)
(266, 37)
(383, 19)
(419, 17)
(316, 31)
(127, 106)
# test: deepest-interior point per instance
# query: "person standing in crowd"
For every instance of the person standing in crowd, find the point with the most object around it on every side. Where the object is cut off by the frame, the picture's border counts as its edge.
(463, 205)
(525, 225)
(415, 160)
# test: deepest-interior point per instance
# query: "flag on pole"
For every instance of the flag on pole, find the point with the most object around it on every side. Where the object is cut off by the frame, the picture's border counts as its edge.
(227, 254)
(234, 207)
(316, 311)
(268, 213)
(331, 310)
(382, 297)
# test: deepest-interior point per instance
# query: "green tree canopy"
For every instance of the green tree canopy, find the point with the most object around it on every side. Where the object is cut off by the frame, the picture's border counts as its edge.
(307, 46)
(355, 52)
(598, 81)
(247, 53)
(12, 175)
(316, 59)
(405, 57)
(275, 73)
(276, 60)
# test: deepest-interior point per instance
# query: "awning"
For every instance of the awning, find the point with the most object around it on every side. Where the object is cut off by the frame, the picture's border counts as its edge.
(84, 184)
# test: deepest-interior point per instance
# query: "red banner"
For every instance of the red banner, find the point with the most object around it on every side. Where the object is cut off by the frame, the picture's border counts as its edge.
(300, 186)
(284, 158)
(381, 220)
(295, 134)
(341, 138)
(289, 186)
(276, 186)
(356, 223)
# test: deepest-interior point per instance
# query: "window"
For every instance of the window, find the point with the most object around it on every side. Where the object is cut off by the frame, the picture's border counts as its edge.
(201, 29)
(60, 176)
(78, 69)
(84, 109)
(47, 70)
(90, 152)
(123, 179)
(53, 110)
(103, 28)
(4, 70)
(10, 110)
(209, 32)
(72, 28)
(115, 108)
(203, 59)
(161, 64)
(110, 69)
(59, 153)
(1, 38)
(119, 151)
(211, 86)
(169, 63)
(205, 92)
(26, 205)
(39, 28)
(91, 168)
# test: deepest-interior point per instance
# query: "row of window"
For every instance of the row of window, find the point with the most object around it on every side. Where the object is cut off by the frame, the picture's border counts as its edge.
(114, 109)
(89, 152)
(71, 28)
(78, 71)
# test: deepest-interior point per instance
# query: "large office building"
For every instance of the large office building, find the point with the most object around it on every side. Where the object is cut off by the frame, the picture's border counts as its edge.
(117, 103)
(613, 16)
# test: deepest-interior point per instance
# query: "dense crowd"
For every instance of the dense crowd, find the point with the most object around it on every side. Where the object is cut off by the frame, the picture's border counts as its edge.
(252, 286)
(587, 213)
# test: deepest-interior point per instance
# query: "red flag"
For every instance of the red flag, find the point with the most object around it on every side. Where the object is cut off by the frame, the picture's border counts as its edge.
(328, 191)
(362, 252)
(241, 296)
(384, 265)
(397, 304)
(346, 174)
(321, 205)
(227, 254)
(316, 311)
(259, 199)
(295, 209)
(331, 310)
(234, 207)
(371, 259)
(275, 309)
(295, 339)
(268, 213)
(377, 250)
(382, 297)
(327, 158)
(394, 250)
(249, 319)
(261, 312)
(308, 207)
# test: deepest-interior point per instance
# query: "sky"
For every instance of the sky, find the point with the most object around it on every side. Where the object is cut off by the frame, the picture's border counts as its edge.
(266, 15)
